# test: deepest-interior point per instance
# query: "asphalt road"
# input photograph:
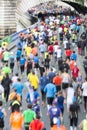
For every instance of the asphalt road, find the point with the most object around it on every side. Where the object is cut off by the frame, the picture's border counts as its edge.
(44, 110)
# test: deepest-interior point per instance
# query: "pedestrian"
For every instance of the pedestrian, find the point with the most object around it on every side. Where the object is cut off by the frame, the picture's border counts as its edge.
(29, 115)
(6, 56)
(2, 114)
(36, 124)
(18, 86)
(73, 56)
(22, 64)
(54, 112)
(35, 96)
(75, 71)
(36, 107)
(47, 62)
(16, 120)
(51, 75)
(73, 115)
(15, 103)
(70, 96)
(50, 90)
(65, 81)
(12, 61)
(33, 79)
(28, 66)
(6, 82)
(84, 93)
(57, 80)
(44, 80)
(60, 101)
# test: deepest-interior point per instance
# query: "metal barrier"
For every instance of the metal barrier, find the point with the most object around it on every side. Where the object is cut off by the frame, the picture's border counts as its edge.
(12, 39)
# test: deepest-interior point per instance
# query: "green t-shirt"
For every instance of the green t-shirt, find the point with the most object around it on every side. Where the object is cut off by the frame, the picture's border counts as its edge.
(6, 70)
(6, 56)
(28, 115)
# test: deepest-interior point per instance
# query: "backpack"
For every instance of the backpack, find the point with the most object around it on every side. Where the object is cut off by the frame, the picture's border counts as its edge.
(1, 119)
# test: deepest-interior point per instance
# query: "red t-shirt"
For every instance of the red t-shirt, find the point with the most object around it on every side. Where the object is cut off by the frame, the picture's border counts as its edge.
(50, 48)
(68, 52)
(36, 125)
(75, 72)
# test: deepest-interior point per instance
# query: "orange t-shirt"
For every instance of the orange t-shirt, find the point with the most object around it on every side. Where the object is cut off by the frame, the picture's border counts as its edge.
(36, 125)
(72, 65)
(55, 127)
(57, 80)
(13, 95)
(16, 120)
(34, 51)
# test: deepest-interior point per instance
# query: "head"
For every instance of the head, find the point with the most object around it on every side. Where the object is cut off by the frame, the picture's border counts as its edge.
(29, 106)
(54, 103)
(16, 74)
(18, 79)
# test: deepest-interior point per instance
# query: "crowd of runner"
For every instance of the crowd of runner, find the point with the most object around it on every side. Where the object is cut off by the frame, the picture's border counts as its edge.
(47, 58)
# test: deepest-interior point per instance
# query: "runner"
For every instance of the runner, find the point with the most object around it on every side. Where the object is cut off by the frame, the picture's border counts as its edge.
(29, 115)
(16, 120)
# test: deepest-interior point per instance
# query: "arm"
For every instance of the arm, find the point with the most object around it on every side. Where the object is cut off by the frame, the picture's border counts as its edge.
(3, 110)
(81, 125)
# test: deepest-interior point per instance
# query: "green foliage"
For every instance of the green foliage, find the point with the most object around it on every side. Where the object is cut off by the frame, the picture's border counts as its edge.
(81, 1)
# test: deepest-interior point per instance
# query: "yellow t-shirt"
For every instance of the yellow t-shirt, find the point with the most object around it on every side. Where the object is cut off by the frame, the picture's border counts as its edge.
(28, 50)
(34, 81)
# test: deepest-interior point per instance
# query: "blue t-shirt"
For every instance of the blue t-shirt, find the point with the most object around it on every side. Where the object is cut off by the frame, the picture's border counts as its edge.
(73, 56)
(18, 53)
(22, 61)
(42, 48)
(60, 101)
(36, 59)
(43, 82)
(11, 58)
(35, 94)
(18, 87)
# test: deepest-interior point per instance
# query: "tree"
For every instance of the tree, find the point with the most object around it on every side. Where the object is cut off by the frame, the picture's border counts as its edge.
(82, 2)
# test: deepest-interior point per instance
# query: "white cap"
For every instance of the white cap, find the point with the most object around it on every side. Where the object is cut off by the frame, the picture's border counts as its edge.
(11, 53)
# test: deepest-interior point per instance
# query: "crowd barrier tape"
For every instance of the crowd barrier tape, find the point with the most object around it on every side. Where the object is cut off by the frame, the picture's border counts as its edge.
(14, 37)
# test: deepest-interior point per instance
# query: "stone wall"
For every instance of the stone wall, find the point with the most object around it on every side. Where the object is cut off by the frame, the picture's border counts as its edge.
(7, 17)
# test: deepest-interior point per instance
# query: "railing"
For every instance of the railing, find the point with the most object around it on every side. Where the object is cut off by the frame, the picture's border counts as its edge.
(12, 39)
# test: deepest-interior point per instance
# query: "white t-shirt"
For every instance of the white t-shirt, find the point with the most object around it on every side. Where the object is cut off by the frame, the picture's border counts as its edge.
(65, 43)
(84, 87)
(14, 79)
(59, 53)
(60, 29)
(70, 95)
(55, 48)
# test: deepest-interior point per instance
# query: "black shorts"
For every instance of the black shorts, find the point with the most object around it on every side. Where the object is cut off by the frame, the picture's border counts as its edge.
(58, 88)
(12, 65)
(18, 59)
(65, 85)
(51, 53)
(1, 123)
(36, 65)
(50, 100)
